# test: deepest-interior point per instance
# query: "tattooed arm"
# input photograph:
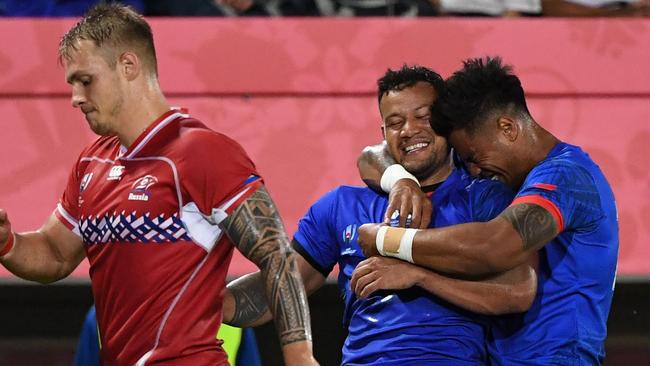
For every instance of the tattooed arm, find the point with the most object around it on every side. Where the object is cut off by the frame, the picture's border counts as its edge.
(256, 229)
(242, 305)
(478, 249)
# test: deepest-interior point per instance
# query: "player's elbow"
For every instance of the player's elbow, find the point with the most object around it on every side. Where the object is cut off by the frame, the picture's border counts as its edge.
(517, 298)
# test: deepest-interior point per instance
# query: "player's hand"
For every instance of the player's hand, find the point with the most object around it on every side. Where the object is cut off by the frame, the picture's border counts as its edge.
(367, 235)
(407, 198)
(5, 228)
(381, 273)
(299, 354)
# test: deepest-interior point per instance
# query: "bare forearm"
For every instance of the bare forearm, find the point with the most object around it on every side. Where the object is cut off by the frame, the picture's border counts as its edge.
(467, 250)
(510, 292)
(287, 299)
(34, 258)
(481, 249)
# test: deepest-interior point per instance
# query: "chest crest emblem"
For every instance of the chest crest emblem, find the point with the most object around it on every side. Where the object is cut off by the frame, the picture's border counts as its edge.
(140, 191)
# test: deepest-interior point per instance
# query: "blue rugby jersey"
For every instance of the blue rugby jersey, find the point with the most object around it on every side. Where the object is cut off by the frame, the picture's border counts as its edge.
(566, 324)
(405, 327)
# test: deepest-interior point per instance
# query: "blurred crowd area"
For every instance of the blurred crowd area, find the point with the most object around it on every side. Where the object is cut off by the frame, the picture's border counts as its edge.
(342, 8)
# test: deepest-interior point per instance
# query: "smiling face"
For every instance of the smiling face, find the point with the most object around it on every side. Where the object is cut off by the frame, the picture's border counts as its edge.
(96, 87)
(406, 115)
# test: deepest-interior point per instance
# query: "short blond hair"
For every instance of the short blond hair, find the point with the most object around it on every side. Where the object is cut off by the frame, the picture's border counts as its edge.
(113, 28)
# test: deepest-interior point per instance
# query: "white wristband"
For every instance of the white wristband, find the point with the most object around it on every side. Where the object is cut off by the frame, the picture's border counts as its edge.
(404, 247)
(394, 173)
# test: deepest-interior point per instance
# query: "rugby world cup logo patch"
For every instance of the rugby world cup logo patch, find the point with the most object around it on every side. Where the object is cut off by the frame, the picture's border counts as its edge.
(141, 186)
(348, 233)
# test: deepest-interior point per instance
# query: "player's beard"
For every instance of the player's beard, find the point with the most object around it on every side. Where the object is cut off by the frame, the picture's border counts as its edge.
(423, 169)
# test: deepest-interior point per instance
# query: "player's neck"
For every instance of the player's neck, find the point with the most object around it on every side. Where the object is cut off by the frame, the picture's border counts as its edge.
(541, 141)
(138, 115)
(440, 174)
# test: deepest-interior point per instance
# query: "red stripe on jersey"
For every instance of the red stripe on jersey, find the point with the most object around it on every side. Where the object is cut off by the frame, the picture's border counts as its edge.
(546, 186)
(547, 205)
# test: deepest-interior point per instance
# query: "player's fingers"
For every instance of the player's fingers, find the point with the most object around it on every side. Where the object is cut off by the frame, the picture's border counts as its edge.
(427, 210)
(368, 290)
(362, 282)
(361, 270)
(417, 213)
(393, 205)
(3, 216)
(404, 211)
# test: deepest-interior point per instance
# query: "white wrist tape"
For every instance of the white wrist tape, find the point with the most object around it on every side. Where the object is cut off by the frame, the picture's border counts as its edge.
(394, 173)
(395, 242)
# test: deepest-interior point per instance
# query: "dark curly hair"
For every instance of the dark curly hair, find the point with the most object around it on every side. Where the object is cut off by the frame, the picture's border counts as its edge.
(406, 77)
(483, 86)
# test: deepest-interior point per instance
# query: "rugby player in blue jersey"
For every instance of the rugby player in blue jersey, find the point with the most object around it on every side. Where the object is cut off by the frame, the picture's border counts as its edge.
(564, 208)
(408, 325)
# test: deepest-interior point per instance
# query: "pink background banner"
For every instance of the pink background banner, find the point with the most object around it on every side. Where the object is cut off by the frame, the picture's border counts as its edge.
(299, 95)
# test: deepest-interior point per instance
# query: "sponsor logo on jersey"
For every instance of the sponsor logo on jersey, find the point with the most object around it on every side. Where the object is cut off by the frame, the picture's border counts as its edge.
(141, 186)
(85, 181)
(116, 172)
(348, 233)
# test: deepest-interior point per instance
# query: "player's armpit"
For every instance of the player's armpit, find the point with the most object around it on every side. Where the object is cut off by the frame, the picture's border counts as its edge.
(534, 223)
(256, 229)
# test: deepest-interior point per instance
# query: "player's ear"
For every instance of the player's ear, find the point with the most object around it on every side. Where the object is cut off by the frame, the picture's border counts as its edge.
(508, 128)
(383, 130)
(130, 65)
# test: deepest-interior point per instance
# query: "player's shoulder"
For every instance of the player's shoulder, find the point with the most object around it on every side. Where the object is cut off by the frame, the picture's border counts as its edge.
(565, 165)
(349, 192)
(193, 133)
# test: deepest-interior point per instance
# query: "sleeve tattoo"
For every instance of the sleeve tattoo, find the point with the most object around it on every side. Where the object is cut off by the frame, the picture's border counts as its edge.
(256, 229)
(534, 224)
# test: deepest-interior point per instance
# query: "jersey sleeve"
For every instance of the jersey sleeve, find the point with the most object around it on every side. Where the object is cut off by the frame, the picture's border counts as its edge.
(315, 238)
(489, 198)
(67, 211)
(566, 191)
(218, 174)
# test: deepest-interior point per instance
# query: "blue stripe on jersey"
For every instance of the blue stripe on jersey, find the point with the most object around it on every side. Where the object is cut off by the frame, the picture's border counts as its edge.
(251, 179)
(406, 327)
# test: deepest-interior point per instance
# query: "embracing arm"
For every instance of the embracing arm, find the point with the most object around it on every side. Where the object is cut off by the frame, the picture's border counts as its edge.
(372, 163)
(47, 255)
(509, 292)
(244, 307)
(478, 249)
(256, 229)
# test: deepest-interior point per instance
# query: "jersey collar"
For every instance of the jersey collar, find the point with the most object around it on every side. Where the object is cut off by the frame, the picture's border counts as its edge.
(151, 131)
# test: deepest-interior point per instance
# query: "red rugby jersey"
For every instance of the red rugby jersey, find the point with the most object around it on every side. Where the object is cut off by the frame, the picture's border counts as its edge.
(148, 218)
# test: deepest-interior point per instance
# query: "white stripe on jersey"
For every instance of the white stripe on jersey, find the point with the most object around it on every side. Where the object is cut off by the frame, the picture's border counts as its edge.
(69, 218)
(204, 231)
(153, 132)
